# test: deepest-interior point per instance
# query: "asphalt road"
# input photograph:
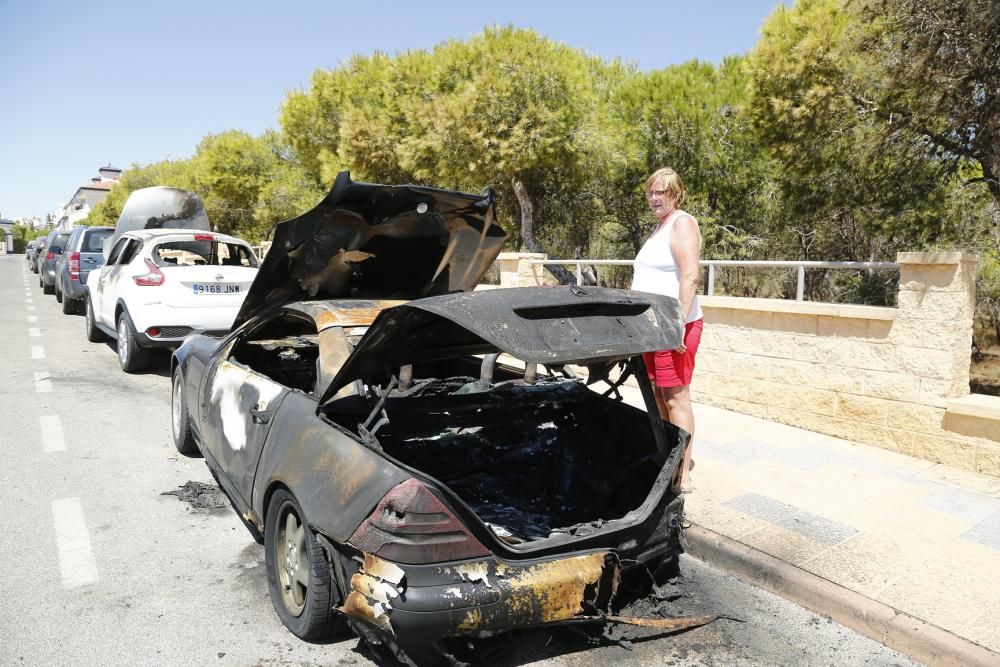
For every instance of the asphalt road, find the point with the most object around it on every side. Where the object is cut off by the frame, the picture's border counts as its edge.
(100, 567)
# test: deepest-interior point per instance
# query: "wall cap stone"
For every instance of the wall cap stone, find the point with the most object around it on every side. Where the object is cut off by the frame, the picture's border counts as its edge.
(954, 257)
(522, 255)
(980, 406)
(799, 307)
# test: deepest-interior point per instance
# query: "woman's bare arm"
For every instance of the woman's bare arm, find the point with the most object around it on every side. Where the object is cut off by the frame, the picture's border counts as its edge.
(685, 244)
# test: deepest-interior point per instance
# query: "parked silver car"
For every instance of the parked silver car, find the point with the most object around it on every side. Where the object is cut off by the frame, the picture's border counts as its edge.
(54, 244)
(37, 254)
(83, 253)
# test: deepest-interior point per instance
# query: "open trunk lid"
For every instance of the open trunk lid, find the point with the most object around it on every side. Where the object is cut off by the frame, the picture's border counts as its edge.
(558, 325)
(378, 242)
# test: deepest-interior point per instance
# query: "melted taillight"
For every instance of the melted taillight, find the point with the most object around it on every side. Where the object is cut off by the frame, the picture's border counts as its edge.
(154, 278)
(74, 265)
(411, 525)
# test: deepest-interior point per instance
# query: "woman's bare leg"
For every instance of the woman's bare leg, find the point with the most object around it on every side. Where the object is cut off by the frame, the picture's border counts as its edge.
(680, 414)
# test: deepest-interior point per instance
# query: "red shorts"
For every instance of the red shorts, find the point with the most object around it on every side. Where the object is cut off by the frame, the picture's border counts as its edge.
(670, 368)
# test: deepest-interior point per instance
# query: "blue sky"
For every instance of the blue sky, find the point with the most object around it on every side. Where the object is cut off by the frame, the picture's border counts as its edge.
(87, 84)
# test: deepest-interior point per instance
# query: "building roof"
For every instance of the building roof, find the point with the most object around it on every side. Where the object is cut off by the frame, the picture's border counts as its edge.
(99, 185)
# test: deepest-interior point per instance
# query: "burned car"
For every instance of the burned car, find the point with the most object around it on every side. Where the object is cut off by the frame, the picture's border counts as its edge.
(422, 461)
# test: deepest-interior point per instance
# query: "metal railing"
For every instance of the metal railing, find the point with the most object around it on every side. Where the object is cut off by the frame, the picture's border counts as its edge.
(800, 267)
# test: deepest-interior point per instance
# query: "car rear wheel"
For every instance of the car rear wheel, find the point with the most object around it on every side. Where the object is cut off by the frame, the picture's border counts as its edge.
(94, 334)
(131, 357)
(69, 306)
(303, 590)
(181, 427)
(47, 289)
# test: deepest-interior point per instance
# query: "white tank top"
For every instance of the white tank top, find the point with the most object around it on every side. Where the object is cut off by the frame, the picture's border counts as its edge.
(655, 269)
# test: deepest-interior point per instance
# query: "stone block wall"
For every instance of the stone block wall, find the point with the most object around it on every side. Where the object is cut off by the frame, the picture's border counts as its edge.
(896, 378)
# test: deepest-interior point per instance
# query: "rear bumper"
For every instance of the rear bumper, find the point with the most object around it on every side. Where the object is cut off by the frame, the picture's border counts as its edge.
(416, 606)
(73, 288)
(145, 340)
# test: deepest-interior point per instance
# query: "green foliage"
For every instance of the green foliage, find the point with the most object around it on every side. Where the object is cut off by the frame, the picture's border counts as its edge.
(247, 184)
(933, 76)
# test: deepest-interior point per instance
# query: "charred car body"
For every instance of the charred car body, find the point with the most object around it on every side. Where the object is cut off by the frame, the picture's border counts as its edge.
(420, 460)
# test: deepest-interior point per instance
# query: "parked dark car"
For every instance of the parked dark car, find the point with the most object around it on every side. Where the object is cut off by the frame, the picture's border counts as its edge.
(83, 253)
(54, 244)
(422, 461)
(38, 254)
(29, 249)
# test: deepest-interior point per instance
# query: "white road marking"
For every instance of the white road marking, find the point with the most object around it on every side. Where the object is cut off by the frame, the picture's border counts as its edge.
(52, 433)
(32, 318)
(31, 309)
(43, 384)
(76, 559)
(37, 352)
(34, 332)
(29, 300)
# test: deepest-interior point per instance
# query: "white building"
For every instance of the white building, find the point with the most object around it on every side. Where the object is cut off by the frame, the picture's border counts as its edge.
(87, 197)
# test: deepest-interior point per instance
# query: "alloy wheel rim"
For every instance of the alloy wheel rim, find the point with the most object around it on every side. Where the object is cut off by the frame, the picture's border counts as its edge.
(293, 567)
(122, 341)
(176, 405)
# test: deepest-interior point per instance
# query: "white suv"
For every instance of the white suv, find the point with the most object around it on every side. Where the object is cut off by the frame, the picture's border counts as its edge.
(161, 285)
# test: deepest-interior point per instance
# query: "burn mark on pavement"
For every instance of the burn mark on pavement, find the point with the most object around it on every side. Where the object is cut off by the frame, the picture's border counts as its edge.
(202, 497)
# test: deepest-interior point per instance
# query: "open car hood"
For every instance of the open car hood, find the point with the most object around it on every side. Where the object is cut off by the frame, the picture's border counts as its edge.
(557, 325)
(378, 242)
(159, 207)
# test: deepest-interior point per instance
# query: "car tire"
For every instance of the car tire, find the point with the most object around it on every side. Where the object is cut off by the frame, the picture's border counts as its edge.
(180, 425)
(94, 334)
(59, 294)
(303, 589)
(69, 306)
(47, 289)
(131, 357)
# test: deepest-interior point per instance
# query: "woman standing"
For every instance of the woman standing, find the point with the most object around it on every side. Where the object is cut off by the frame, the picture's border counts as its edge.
(668, 264)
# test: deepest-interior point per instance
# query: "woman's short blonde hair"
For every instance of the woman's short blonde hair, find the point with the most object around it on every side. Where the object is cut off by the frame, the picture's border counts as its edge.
(669, 180)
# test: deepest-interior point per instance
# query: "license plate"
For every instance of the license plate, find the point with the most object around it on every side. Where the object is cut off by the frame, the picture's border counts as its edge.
(215, 288)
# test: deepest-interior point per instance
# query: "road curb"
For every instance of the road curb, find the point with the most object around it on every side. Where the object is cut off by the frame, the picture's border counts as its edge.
(921, 641)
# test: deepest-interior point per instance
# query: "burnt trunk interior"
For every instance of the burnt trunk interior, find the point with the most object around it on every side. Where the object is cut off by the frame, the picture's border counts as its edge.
(530, 460)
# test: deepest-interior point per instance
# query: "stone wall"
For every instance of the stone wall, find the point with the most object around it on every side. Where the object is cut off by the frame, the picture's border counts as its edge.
(896, 378)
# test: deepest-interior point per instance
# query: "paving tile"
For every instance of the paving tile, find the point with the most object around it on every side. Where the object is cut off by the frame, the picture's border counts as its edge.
(966, 479)
(725, 521)
(741, 451)
(865, 564)
(924, 528)
(792, 518)
(818, 528)
(962, 503)
(784, 544)
(944, 596)
(803, 458)
(762, 507)
(986, 532)
(985, 628)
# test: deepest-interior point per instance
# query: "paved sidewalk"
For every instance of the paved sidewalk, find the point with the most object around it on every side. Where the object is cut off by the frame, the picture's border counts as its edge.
(919, 537)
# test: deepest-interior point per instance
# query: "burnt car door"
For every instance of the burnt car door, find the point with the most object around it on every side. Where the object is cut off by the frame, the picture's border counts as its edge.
(244, 385)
